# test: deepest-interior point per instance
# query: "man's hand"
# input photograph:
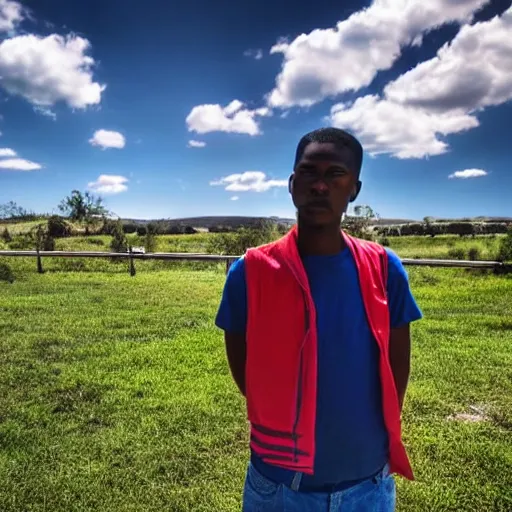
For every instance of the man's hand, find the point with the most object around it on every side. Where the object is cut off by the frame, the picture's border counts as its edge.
(236, 350)
(400, 359)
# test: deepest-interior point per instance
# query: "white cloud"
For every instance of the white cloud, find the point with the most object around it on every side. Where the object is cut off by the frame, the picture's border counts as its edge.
(327, 62)
(438, 97)
(108, 139)
(471, 72)
(232, 119)
(7, 152)
(196, 144)
(45, 111)
(19, 164)
(255, 181)
(11, 13)
(233, 107)
(468, 173)
(47, 70)
(256, 54)
(109, 184)
(234, 198)
(384, 127)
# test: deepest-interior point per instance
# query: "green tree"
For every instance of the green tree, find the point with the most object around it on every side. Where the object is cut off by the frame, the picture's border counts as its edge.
(358, 225)
(58, 227)
(505, 250)
(119, 242)
(6, 236)
(236, 243)
(150, 238)
(11, 210)
(83, 207)
(42, 238)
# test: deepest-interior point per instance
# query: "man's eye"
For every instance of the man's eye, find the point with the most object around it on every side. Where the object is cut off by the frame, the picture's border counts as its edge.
(338, 172)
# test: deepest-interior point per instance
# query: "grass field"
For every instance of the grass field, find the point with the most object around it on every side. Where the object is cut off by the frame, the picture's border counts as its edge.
(115, 394)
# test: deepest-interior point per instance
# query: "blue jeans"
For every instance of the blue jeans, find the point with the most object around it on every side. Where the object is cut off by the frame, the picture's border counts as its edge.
(376, 494)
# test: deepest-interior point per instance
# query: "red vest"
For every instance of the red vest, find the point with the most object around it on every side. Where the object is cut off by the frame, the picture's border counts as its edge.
(281, 365)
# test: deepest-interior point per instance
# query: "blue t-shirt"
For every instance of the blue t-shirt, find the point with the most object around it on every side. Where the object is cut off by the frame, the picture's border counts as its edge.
(351, 438)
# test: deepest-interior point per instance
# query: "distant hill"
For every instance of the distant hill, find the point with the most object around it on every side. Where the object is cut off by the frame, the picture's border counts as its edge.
(209, 222)
(238, 221)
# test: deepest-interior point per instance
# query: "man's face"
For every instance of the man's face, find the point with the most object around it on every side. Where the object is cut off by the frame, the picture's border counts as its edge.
(323, 182)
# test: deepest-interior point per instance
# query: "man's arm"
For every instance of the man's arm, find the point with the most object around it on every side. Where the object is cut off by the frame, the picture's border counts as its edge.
(400, 359)
(236, 350)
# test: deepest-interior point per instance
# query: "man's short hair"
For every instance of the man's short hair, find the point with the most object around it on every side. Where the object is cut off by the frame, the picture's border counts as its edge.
(340, 138)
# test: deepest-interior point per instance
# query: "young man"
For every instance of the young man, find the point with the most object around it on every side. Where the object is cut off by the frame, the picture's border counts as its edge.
(318, 341)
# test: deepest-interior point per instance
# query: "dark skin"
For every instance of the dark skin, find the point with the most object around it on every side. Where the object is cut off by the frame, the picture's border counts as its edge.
(322, 185)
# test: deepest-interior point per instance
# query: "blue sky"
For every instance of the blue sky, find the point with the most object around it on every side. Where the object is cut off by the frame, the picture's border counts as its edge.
(176, 109)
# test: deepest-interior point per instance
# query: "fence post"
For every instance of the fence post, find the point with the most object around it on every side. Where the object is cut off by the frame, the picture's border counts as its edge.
(229, 262)
(132, 264)
(40, 269)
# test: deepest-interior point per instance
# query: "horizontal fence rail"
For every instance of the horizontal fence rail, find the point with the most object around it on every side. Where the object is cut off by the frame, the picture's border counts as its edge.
(187, 256)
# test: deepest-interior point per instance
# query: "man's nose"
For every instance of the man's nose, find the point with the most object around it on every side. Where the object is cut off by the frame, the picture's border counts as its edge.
(319, 186)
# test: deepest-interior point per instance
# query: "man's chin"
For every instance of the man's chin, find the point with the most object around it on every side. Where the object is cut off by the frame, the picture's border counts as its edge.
(318, 218)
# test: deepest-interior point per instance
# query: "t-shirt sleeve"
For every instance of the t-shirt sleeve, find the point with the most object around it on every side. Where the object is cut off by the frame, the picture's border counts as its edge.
(232, 313)
(402, 305)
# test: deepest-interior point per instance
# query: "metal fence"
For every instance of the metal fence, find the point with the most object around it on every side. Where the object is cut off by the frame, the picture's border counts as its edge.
(497, 266)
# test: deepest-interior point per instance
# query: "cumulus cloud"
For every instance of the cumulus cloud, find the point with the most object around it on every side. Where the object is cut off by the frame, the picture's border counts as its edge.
(7, 152)
(439, 97)
(234, 198)
(468, 173)
(471, 72)
(233, 118)
(385, 127)
(327, 62)
(196, 144)
(109, 184)
(19, 164)
(255, 181)
(11, 14)
(256, 54)
(108, 139)
(48, 70)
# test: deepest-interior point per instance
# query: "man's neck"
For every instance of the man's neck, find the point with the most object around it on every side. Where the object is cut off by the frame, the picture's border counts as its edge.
(319, 241)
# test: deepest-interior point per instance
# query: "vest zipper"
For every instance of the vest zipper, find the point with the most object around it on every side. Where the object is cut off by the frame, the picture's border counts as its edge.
(298, 401)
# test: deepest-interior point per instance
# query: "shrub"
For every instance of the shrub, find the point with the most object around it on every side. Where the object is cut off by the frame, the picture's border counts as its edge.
(474, 253)
(461, 228)
(505, 250)
(237, 243)
(6, 273)
(189, 230)
(385, 242)
(108, 227)
(130, 227)
(6, 236)
(457, 253)
(39, 239)
(58, 227)
(118, 243)
(150, 238)
(141, 230)
(414, 229)
(23, 242)
(95, 241)
(358, 228)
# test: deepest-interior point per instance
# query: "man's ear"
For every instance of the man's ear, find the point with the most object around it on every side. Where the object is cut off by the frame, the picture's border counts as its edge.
(290, 184)
(356, 191)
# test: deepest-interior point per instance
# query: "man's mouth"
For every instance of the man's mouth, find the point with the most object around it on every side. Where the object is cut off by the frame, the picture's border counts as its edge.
(318, 205)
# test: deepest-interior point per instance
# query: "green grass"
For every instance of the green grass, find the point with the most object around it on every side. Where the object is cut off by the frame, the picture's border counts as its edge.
(115, 394)
(439, 247)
